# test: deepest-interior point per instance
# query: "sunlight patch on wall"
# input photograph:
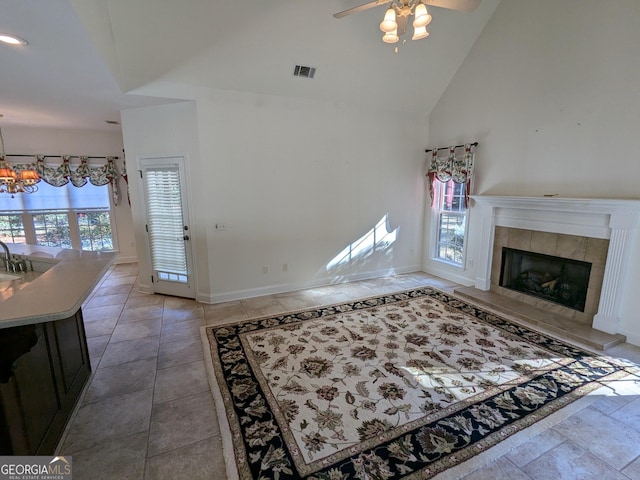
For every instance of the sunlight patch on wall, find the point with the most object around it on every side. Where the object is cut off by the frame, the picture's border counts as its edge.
(376, 242)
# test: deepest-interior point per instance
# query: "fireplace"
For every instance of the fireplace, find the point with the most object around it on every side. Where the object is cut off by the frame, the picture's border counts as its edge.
(556, 279)
(597, 231)
(538, 256)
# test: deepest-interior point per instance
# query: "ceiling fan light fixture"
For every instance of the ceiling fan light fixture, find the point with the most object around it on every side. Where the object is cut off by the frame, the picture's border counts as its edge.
(396, 17)
(421, 17)
(420, 33)
(390, 37)
(388, 23)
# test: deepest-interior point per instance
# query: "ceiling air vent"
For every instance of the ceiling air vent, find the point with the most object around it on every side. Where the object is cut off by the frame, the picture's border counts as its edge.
(305, 72)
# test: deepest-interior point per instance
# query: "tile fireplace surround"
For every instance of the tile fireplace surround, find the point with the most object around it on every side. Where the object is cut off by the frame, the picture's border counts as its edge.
(582, 248)
(506, 221)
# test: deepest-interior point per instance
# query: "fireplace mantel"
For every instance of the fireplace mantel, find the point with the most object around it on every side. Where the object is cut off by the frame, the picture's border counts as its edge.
(553, 202)
(599, 218)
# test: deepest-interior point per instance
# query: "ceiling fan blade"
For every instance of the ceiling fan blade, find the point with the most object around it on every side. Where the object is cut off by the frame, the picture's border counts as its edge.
(360, 8)
(461, 5)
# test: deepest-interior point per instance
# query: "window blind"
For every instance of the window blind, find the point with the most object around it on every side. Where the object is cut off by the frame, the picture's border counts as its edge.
(165, 222)
(49, 198)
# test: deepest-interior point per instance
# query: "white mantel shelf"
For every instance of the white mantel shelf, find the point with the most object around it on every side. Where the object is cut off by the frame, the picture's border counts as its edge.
(612, 219)
(569, 203)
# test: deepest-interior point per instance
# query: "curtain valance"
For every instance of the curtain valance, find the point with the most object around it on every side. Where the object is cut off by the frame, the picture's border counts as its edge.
(451, 167)
(62, 174)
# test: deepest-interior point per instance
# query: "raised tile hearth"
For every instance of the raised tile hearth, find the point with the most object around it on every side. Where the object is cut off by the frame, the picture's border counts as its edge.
(553, 323)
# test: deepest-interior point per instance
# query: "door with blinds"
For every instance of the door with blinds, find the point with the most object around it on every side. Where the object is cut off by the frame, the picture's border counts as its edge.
(167, 226)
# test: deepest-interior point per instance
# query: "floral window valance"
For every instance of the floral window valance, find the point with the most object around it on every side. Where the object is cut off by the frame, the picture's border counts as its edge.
(458, 168)
(62, 174)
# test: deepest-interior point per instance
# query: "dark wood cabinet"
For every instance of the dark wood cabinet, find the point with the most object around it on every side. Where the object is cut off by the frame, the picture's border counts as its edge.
(43, 369)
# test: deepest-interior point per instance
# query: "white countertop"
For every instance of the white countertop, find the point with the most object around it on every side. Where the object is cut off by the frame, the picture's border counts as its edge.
(56, 293)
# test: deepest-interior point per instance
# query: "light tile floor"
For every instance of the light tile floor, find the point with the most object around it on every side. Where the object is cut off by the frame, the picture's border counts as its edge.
(148, 413)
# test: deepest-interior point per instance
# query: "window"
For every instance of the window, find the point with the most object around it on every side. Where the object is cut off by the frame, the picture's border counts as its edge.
(52, 229)
(95, 230)
(451, 220)
(11, 229)
(66, 217)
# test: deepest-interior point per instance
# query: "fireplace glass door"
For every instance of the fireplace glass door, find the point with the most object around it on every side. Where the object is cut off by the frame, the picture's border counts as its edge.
(556, 279)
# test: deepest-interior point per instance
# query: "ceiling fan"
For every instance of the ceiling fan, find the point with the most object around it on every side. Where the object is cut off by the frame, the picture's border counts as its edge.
(397, 15)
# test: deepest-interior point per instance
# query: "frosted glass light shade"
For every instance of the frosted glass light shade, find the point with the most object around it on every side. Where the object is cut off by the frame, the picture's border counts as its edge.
(388, 23)
(421, 17)
(390, 37)
(420, 32)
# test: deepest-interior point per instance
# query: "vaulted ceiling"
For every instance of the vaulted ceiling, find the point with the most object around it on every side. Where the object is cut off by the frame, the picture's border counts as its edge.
(87, 60)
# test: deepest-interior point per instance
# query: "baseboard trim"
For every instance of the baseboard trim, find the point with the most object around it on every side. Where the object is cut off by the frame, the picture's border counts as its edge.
(145, 287)
(447, 273)
(128, 259)
(292, 287)
(632, 337)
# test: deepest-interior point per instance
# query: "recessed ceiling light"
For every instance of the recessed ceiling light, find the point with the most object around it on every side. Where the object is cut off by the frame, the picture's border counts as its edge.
(12, 39)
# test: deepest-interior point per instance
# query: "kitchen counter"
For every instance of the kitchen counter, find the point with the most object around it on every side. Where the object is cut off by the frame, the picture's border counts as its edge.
(44, 359)
(56, 293)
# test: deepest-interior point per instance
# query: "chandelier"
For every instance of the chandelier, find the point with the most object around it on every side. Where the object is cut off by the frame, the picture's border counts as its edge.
(397, 16)
(12, 181)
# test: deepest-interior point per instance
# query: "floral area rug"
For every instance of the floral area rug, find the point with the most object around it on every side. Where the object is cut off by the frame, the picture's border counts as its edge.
(404, 385)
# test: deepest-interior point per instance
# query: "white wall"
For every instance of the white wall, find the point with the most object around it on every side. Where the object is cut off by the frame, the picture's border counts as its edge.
(550, 91)
(295, 182)
(49, 141)
(159, 131)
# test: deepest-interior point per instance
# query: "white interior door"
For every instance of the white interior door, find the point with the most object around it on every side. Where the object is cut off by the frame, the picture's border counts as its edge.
(167, 227)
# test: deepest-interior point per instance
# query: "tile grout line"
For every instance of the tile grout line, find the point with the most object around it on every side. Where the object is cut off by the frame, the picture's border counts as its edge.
(153, 392)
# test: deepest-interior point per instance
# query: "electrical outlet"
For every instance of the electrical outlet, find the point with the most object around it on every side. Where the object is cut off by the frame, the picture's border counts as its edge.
(285, 267)
(265, 269)
(219, 227)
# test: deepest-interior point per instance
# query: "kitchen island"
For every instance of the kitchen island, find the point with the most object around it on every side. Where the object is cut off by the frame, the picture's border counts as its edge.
(44, 360)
